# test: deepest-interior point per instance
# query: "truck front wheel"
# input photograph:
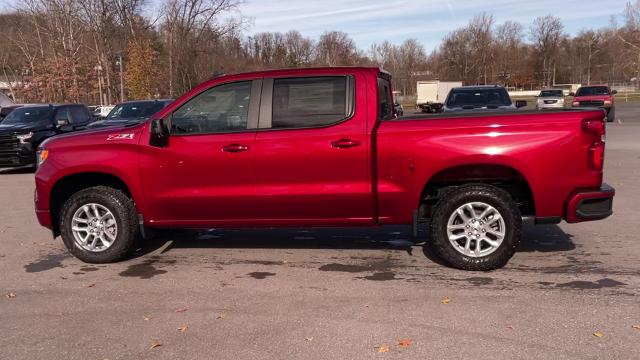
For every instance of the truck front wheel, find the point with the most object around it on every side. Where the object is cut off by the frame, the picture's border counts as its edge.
(476, 227)
(98, 225)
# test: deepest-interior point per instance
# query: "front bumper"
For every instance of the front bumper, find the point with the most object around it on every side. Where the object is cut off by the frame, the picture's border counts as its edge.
(556, 105)
(44, 218)
(589, 205)
(18, 155)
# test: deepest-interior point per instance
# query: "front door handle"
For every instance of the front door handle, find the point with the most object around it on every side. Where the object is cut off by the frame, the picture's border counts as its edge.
(345, 143)
(234, 148)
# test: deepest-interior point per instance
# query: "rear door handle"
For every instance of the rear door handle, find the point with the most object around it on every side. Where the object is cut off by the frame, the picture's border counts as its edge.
(234, 148)
(345, 143)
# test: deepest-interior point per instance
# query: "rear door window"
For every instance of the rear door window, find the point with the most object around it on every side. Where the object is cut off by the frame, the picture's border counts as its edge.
(311, 102)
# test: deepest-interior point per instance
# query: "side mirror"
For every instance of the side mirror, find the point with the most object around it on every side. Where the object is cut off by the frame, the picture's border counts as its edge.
(572, 94)
(159, 133)
(614, 92)
(521, 103)
(60, 123)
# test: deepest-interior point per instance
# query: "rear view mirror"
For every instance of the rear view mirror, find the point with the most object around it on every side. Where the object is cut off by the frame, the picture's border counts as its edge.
(521, 103)
(62, 122)
(159, 133)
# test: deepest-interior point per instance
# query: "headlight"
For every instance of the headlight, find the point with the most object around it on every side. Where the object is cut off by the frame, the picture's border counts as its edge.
(42, 156)
(24, 137)
(607, 102)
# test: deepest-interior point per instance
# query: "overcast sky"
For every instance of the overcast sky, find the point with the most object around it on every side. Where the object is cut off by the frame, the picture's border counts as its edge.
(369, 21)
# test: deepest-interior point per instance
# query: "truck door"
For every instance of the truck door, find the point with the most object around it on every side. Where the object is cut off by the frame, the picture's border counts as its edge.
(206, 174)
(312, 152)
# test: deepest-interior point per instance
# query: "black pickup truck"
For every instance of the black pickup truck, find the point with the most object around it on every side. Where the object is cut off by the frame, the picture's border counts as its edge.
(24, 128)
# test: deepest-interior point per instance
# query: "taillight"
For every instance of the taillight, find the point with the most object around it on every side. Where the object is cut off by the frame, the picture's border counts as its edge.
(596, 156)
(596, 150)
(595, 127)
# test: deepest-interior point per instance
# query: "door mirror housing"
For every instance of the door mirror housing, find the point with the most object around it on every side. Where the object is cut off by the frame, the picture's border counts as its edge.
(159, 133)
(572, 94)
(614, 92)
(60, 123)
(521, 103)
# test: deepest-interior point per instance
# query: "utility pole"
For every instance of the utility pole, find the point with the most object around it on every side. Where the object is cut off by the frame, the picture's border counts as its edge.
(98, 69)
(121, 77)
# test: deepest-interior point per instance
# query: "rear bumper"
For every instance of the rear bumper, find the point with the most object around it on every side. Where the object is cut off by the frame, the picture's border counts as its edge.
(589, 205)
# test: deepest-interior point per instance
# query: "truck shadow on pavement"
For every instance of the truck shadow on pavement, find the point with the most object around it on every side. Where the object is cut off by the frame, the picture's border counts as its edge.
(548, 238)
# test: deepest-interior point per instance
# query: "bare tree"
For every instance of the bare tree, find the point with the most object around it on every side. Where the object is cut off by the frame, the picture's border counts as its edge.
(546, 34)
(336, 48)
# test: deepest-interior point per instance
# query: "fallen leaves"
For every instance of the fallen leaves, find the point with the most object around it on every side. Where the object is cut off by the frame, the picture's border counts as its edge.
(598, 334)
(91, 285)
(10, 295)
(220, 317)
(181, 310)
(309, 338)
(147, 317)
(445, 300)
(183, 328)
(637, 327)
(401, 344)
(404, 343)
(155, 345)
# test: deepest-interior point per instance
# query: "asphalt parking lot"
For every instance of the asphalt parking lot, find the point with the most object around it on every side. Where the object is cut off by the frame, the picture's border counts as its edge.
(571, 292)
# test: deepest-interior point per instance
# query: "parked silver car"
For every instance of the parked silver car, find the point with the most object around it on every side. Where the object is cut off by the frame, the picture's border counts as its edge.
(550, 99)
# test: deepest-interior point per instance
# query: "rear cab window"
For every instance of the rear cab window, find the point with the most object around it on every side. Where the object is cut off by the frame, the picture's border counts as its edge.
(385, 101)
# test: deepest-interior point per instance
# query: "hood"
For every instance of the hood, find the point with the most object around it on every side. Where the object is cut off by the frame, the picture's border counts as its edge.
(114, 122)
(10, 128)
(95, 136)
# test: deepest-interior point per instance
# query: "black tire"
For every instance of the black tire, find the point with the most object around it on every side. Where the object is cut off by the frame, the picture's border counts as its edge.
(611, 114)
(123, 211)
(457, 197)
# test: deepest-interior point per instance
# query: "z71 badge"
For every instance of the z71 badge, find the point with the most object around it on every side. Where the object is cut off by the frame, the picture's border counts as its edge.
(120, 137)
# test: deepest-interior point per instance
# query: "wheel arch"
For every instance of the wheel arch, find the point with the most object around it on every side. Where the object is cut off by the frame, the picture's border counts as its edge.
(505, 177)
(68, 185)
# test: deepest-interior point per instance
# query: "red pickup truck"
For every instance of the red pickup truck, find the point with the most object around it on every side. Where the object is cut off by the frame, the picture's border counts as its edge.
(323, 147)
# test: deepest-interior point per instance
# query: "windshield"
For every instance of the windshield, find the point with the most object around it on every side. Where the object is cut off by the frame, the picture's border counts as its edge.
(551, 93)
(478, 98)
(135, 110)
(28, 115)
(593, 90)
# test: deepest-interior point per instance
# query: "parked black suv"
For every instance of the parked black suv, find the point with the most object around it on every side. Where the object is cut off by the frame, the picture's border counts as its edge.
(23, 129)
(131, 112)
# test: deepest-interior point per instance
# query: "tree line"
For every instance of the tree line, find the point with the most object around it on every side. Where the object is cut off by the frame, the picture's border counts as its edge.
(106, 51)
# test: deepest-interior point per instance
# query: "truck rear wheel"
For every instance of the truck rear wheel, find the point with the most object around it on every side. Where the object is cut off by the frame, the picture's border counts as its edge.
(476, 227)
(98, 225)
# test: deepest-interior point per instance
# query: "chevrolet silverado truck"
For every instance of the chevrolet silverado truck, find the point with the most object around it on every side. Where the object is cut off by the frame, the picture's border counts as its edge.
(322, 147)
(599, 96)
(27, 126)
